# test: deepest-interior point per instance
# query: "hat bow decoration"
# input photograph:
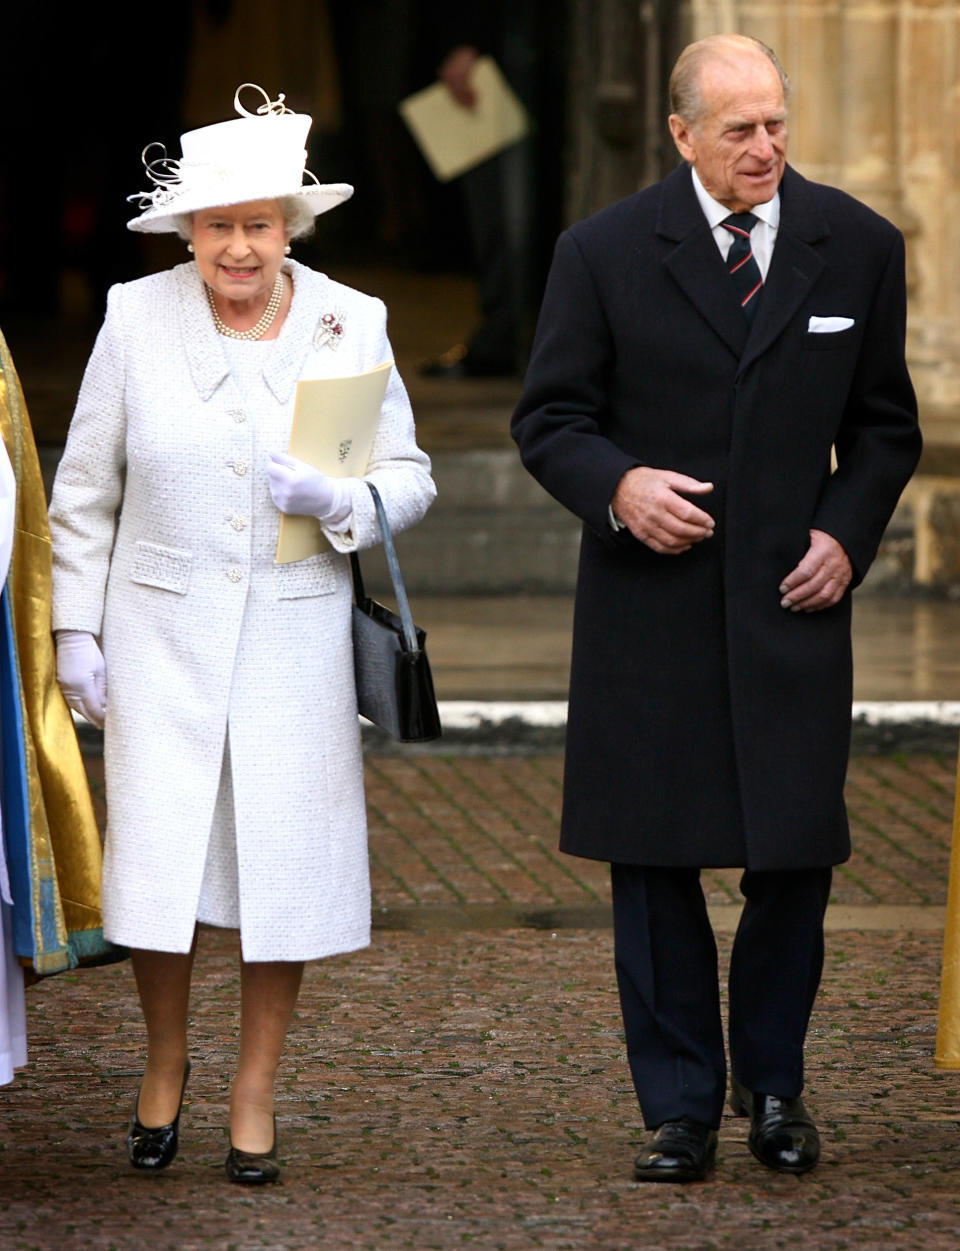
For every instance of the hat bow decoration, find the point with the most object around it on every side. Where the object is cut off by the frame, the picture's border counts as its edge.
(274, 107)
(164, 172)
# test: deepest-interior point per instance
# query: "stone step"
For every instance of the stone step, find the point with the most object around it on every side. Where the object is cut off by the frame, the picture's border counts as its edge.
(492, 530)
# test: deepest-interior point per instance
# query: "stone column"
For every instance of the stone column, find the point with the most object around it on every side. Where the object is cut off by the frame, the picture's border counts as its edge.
(928, 151)
(621, 53)
(875, 111)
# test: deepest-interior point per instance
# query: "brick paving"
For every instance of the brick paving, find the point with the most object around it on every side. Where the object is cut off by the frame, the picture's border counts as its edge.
(462, 1083)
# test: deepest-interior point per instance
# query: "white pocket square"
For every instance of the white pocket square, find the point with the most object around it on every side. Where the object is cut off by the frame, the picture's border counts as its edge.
(828, 325)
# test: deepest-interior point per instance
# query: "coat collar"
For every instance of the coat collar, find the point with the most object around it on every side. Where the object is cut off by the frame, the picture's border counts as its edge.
(204, 347)
(696, 265)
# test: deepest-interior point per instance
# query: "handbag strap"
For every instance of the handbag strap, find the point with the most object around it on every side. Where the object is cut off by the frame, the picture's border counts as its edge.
(359, 594)
(393, 565)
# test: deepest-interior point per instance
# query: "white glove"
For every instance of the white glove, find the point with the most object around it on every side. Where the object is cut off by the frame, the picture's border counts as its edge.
(82, 674)
(297, 487)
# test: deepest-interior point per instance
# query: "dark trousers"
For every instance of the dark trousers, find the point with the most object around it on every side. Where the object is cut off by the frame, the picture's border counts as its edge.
(666, 960)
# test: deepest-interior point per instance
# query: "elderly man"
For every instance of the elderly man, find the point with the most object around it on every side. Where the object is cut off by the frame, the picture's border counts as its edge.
(701, 348)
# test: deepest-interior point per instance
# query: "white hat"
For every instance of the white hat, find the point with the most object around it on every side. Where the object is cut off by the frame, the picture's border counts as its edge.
(258, 156)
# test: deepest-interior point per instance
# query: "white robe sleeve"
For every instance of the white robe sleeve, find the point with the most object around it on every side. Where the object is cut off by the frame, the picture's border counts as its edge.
(8, 505)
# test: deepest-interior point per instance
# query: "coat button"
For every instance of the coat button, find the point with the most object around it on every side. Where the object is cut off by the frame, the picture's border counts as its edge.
(238, 416)
(238, 523)
(240, 467)
(235, 573)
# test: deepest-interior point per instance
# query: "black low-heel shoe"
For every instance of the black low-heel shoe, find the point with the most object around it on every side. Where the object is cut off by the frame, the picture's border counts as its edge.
(679, 1151)
(782, 1135)
(154, 1148)
(250, 1169)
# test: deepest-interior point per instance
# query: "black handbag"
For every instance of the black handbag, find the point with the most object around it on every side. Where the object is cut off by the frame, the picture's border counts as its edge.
(390, 666)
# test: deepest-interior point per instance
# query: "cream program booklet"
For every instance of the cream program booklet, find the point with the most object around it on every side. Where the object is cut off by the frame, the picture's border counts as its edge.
(454, 138)
(334, 424)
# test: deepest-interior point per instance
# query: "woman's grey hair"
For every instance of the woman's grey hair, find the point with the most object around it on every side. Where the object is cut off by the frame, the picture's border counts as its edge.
(298, 218)
(686, 99)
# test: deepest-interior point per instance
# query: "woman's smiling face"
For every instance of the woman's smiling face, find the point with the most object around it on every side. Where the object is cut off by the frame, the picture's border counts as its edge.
(239, 249)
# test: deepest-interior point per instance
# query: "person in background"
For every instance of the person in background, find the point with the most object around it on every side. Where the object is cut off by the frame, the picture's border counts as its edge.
(508, 196)
(49, 842)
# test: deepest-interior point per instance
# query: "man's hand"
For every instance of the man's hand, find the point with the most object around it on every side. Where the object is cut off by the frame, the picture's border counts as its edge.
(820, 579)
(455, 73)
(651, 504)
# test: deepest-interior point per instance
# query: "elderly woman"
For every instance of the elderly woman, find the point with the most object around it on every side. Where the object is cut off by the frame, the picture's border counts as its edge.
(223, 680)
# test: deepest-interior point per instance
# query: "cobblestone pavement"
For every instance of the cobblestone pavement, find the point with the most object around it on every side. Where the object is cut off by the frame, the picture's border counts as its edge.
(462, 1082)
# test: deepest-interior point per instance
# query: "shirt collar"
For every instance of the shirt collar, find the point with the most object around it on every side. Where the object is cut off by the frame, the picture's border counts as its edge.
(715, 212)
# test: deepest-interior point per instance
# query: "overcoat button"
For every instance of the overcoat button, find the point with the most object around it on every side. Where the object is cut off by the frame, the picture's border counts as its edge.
(238, 523)
(240, 467)
(235, 573)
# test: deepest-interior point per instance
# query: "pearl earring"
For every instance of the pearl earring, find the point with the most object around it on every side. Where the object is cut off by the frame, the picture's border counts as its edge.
(286, 250)
(190, 247)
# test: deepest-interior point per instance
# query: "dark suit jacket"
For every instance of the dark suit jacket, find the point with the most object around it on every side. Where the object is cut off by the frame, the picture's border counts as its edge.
(707, 725)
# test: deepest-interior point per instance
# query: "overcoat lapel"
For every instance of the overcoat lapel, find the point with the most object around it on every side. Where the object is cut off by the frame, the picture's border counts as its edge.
(201, 343)
(296, 339)
(794, 267)
(695, 263)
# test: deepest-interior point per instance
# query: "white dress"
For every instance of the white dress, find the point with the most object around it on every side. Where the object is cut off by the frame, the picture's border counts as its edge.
(13, 1024)
(209, 643)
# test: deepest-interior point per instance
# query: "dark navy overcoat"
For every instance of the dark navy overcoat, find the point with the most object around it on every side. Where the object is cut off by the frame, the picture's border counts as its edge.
(707, 725)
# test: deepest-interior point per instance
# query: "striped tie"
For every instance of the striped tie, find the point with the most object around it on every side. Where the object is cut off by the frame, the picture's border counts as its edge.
(741, 263)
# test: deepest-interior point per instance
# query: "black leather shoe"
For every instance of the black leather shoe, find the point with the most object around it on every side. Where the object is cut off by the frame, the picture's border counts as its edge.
(782, 1135)
(154, 1148)
(253, 1170)
(679, 1151)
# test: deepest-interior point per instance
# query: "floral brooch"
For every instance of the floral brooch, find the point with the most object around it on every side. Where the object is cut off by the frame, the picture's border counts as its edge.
(330, 330)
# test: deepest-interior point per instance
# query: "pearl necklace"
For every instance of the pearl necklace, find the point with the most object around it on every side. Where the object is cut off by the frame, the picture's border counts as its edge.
(266, 319)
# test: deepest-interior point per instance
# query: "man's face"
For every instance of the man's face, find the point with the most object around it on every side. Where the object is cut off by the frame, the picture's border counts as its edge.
(738, 144)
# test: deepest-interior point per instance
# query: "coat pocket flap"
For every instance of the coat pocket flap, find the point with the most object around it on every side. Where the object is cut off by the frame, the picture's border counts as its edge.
(831, 341)
(302, 578)
(165, 567)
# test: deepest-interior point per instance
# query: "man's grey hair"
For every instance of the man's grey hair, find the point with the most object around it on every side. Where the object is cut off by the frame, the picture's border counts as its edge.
(298, 218)
(686, 98)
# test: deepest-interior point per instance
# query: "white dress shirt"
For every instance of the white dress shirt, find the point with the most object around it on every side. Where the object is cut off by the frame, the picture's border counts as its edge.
(762, 237)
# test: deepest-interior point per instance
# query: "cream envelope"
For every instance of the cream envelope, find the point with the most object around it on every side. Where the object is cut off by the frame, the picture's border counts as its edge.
(334, 424)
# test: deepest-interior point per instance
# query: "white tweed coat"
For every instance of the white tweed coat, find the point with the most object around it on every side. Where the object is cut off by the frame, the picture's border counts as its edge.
(164, 536)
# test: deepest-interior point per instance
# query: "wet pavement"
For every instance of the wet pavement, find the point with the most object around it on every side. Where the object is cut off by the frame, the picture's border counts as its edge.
(518, 646)
(462, 1082)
